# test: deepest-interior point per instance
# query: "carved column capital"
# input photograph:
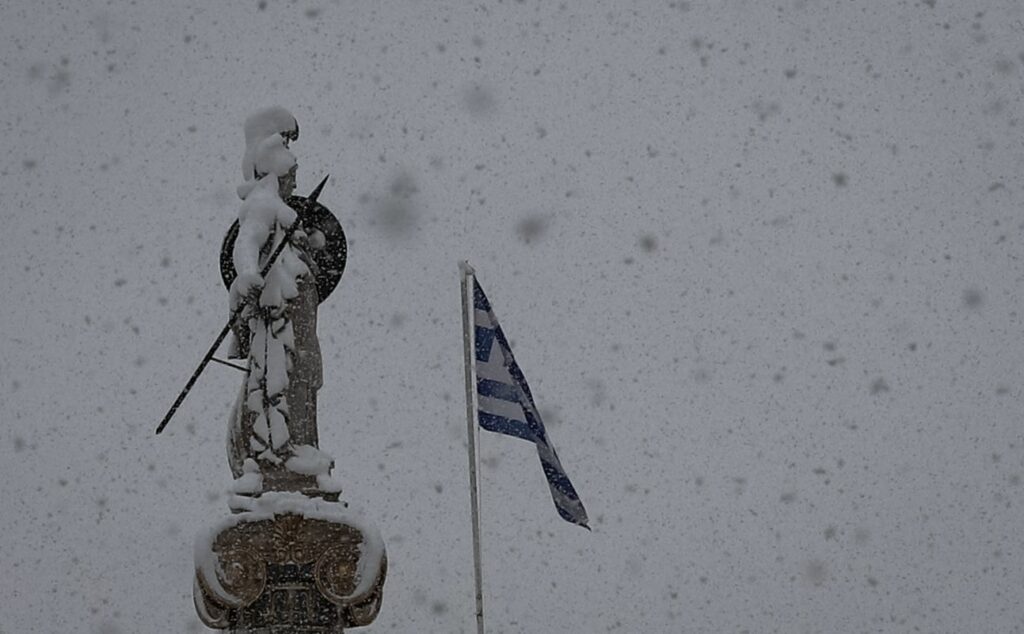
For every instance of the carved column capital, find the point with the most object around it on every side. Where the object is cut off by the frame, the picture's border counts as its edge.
(259, 573)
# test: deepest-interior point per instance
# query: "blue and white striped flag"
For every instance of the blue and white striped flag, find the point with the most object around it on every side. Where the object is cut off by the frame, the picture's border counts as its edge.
(506, 406)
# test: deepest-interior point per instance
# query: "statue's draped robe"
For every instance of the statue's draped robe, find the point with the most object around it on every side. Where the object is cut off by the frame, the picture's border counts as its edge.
(305, 377)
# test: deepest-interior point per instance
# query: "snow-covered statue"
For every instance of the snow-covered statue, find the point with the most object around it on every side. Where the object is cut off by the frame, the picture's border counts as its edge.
(273, 428)
(292, 557)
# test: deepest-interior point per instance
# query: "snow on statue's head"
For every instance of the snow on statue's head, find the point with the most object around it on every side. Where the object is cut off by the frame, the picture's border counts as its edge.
(267, 135)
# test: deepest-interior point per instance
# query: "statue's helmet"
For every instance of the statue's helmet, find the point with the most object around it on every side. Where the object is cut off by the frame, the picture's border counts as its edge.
(264, 153)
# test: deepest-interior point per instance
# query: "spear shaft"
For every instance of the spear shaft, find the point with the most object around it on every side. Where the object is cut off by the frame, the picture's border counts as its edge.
(237, 312)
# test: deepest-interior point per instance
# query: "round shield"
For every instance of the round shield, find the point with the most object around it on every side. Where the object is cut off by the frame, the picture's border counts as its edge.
(329, 259)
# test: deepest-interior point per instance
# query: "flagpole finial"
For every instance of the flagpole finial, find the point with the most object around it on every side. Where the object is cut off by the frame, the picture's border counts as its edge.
(465, 268)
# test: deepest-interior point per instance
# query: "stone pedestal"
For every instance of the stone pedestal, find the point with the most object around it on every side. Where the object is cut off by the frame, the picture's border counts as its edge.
(290, 564)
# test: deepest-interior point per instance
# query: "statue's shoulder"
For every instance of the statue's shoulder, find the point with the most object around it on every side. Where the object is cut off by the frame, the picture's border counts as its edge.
(327, 247)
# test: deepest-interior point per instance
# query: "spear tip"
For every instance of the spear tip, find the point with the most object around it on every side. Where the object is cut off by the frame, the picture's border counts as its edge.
(316, 192)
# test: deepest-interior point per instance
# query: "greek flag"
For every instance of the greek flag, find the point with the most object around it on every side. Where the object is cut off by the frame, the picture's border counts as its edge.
(505, 404)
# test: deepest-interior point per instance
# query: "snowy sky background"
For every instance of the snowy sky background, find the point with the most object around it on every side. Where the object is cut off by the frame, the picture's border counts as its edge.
(759, 262)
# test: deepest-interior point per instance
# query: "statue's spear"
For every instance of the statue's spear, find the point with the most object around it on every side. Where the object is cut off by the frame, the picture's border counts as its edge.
(235, 314)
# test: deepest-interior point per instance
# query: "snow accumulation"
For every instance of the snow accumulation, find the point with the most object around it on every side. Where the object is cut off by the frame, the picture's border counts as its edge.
(265, 150)
(309, 460)
(251, 480)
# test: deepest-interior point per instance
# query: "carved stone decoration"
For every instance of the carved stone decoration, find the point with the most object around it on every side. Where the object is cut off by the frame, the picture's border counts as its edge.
(243, 575)
(291, 571)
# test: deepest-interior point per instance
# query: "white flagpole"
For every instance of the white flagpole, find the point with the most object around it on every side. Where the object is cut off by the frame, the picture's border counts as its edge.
(472, 431)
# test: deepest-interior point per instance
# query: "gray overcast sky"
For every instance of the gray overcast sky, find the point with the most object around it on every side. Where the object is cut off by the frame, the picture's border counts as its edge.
(758, 260)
